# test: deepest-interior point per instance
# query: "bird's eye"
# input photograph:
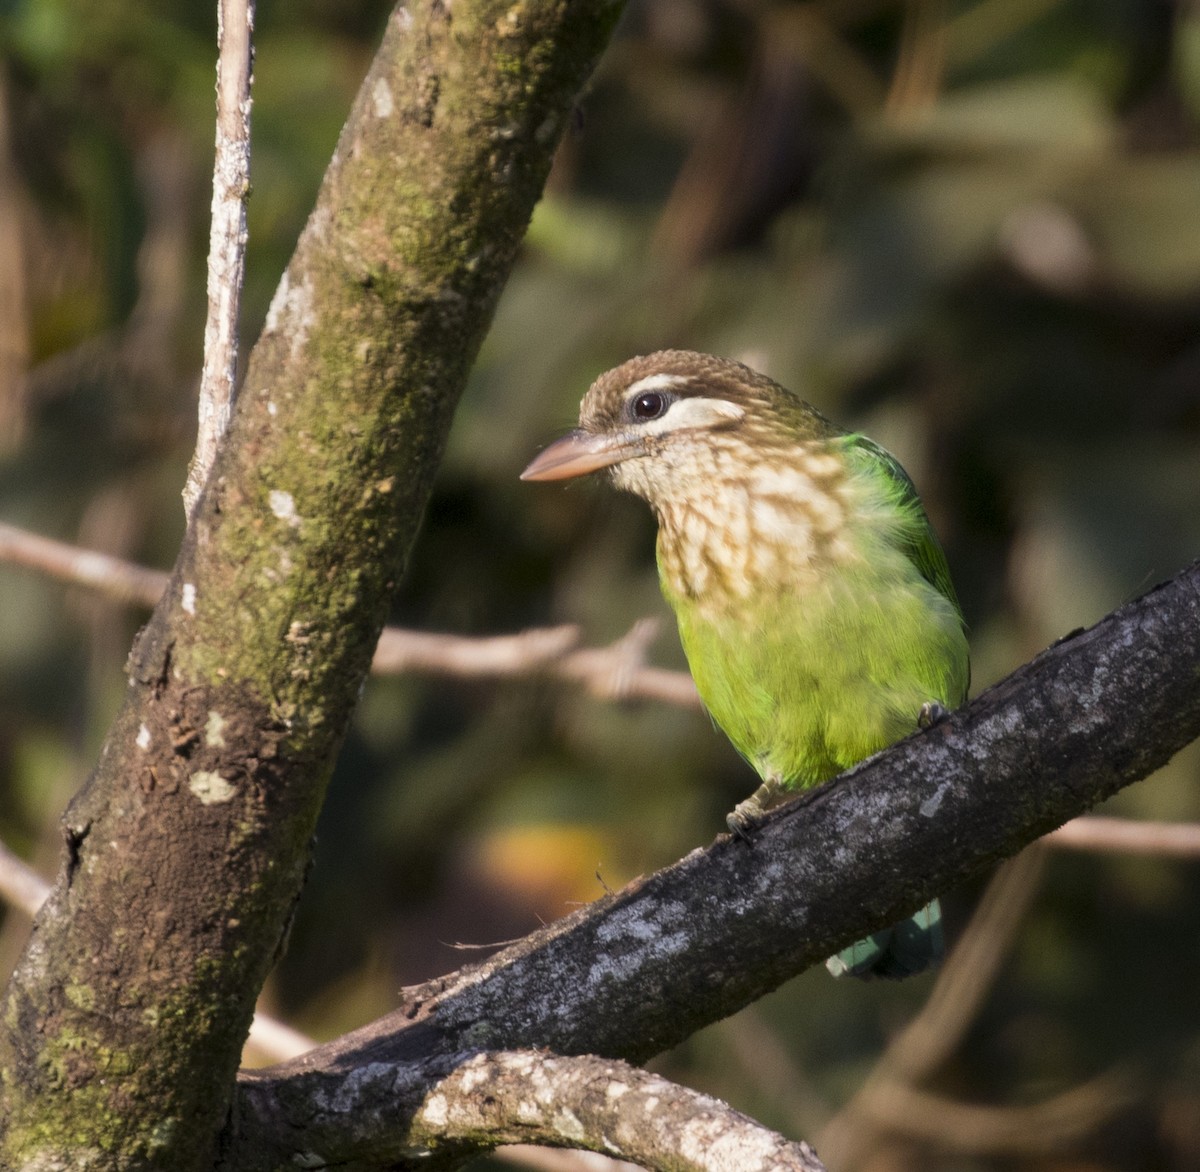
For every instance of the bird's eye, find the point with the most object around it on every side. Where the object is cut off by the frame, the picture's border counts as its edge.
(650, 405)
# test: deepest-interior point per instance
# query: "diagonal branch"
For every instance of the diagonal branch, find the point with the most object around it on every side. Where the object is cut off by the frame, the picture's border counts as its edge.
(636, 972)
(1042, 1129)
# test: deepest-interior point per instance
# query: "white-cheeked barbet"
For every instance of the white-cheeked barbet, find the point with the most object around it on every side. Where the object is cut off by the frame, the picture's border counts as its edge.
(813, 600)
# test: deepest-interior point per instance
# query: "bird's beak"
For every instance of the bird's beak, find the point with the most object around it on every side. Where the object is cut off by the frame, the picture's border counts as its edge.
(578, 453)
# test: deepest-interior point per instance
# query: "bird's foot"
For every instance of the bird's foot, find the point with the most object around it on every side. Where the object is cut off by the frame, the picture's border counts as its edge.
(743, 818)
(931, 713)
(748, 815)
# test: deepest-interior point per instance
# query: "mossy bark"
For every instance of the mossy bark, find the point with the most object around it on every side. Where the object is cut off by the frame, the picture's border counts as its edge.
(186, 850)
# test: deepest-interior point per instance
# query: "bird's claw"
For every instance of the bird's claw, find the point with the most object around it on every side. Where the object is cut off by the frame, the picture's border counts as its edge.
(743, 818)
(931, 713)
(748, 815)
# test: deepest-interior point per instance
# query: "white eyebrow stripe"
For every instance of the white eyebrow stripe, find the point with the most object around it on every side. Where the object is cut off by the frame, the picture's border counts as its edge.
(688, 414)
(657, 382)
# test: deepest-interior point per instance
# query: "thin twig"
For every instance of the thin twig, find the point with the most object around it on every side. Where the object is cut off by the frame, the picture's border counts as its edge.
(120, 580)
(616, 672)
(921, 63)
(1026, 1129)
(401, 651)
(22, 887)
(559, 1159)
(227, 236)
(275, 1040)
(1179, 840)
(620, 672)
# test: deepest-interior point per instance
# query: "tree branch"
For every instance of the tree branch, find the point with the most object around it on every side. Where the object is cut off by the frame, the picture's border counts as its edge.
(638, 971)
(1032, 1129)
(22, 887)
(615, 672)
(227, 237)
(186, 850)
(530, 1097)
(543, 1159)
(1180, 840)
(114, 577)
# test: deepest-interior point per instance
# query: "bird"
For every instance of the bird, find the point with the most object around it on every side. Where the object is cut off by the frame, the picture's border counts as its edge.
(813, 599)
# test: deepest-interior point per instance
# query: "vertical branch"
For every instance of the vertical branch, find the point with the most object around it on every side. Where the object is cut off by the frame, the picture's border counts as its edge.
(922, 61)
(14, 323)
(227, 236)
(22, 887)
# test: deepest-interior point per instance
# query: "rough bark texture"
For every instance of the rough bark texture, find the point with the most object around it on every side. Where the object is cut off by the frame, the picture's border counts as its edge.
(594, 1103)
(122, 1025)
(448, 1112)
(226, 238)
(636, 972)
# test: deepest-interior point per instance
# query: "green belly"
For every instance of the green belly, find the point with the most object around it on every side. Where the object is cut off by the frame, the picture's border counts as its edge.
(807, 683)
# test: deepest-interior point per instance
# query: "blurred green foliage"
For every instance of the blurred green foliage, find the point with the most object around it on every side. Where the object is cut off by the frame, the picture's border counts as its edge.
(971, 229)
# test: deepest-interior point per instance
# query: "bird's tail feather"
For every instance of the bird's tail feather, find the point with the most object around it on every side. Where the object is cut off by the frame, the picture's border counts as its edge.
(903, 950)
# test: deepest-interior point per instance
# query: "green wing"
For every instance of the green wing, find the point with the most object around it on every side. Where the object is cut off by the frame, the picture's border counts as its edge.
(918, 540)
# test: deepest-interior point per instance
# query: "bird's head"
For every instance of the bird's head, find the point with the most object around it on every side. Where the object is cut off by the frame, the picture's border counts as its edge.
(668, 424)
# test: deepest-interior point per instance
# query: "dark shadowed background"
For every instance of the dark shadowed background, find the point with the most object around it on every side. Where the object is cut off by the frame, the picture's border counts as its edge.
(971, 230)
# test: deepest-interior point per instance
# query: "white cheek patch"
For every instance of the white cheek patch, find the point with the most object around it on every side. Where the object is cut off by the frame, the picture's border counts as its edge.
(692, 415)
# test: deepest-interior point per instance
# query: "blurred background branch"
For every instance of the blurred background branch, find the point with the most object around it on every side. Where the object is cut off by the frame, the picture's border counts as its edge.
(616, 672)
